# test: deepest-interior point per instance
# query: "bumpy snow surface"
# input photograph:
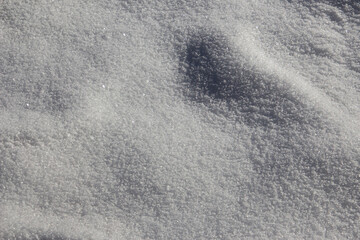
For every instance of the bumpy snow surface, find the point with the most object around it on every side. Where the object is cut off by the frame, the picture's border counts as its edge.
(179, 119)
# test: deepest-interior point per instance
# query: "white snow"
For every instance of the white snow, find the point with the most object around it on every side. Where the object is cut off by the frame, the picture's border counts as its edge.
(179, 119)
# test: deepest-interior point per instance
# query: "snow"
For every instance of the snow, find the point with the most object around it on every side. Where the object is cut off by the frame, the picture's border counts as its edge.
(179, 119)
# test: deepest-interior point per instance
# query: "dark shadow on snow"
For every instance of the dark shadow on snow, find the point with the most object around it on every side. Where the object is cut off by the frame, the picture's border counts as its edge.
(213, 75)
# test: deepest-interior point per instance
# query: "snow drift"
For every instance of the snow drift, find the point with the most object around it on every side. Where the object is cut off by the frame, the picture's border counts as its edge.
(179, 119)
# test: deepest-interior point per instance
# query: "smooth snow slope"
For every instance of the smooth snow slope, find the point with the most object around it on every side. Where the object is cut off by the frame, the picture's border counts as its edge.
(181, 119)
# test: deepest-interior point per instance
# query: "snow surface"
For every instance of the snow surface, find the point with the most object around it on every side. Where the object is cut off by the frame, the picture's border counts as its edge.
(180, 119)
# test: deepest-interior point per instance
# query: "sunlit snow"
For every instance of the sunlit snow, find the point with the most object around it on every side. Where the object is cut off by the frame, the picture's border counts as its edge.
(178, 119)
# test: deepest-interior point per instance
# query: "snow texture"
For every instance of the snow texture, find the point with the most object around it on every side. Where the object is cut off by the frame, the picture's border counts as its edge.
(179, 119)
